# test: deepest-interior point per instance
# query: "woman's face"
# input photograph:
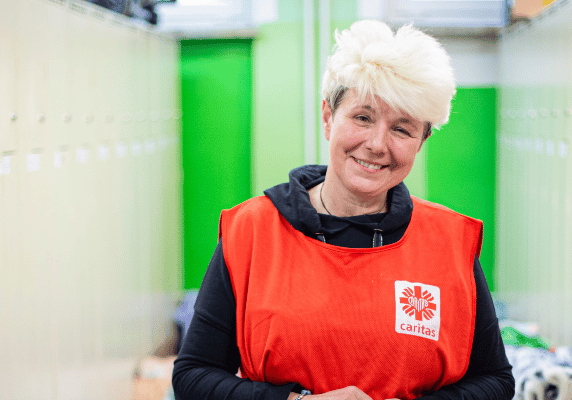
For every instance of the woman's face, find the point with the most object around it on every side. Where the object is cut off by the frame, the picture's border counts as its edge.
(372, 147)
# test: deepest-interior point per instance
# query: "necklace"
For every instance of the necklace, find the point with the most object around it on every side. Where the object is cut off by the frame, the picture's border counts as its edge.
(328, 211)
(322, 200)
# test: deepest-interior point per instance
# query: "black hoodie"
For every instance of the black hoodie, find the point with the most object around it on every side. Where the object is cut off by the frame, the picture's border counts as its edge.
(209, 357)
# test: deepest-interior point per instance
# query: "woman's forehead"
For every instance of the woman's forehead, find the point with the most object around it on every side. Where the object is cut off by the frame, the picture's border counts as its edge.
(374, 104)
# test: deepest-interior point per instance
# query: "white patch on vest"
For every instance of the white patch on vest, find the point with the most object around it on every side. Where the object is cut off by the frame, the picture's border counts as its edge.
(417, 309)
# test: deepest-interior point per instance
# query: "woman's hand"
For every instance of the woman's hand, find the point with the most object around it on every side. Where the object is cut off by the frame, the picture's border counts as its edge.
(347, 393)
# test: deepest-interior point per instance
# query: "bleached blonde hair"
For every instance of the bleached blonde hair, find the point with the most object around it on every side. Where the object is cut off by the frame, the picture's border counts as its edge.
(410, 70)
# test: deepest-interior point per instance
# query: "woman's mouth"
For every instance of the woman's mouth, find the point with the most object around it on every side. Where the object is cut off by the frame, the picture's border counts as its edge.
(369, 165)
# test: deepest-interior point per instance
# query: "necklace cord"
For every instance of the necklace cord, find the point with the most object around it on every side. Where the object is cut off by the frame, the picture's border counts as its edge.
(328, 211)
(322, 200)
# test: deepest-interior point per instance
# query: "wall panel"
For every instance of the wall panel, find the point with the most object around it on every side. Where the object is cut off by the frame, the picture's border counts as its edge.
(534, 208)
(9, 110)
(89, 204)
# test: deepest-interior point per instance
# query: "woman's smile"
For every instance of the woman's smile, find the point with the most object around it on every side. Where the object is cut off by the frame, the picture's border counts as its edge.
(370, 165)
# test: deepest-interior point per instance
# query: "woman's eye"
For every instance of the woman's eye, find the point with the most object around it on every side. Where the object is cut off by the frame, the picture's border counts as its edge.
(403, 131)
(363, 118)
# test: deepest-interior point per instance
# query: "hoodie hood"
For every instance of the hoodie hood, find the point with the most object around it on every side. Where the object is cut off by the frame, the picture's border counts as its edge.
(291, 199)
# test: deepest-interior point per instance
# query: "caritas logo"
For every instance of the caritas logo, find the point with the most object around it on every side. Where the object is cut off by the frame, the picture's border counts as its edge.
(417, 309)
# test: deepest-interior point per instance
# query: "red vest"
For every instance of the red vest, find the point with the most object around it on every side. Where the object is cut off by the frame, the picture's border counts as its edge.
(395, 321)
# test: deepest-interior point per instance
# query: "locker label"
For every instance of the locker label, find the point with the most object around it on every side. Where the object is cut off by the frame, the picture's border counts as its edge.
(103, 152)
(82, 155)
(60, 159)
(149, 146)
(33, 162)
(562, 149)
(136, 148)
(550, 147)
(5, 165)
(120, 150)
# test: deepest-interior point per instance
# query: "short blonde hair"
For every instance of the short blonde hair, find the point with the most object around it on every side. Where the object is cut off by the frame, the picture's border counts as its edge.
(410, 70)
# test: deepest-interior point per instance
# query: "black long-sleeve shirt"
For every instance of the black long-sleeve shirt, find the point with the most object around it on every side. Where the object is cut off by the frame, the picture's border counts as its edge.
(209, 358)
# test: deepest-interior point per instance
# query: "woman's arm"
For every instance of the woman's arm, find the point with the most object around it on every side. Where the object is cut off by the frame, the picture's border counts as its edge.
(209, 358)
(489, 376)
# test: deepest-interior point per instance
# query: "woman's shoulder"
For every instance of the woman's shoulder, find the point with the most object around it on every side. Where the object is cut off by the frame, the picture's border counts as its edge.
(443, 219)
(438, 209)
(252, 206)
(247, 213)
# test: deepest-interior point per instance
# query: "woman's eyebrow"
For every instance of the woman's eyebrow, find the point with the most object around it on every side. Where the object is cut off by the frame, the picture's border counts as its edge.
(408, 121)
(365, 106)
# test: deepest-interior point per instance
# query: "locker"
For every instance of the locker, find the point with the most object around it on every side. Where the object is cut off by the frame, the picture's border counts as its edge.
(81, 74)
(58, 86)
(9, 259)
(538, 162)
(9, 107)
(11, 235)
(127, 66)
(34, 296)
(108, 91)
(172, 172)
(33, 75)
(153, 93)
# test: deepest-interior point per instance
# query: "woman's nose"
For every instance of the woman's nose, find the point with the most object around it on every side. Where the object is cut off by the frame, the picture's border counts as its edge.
(378, 138)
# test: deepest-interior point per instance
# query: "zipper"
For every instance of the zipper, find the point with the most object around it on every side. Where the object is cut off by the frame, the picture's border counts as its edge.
(377, 238)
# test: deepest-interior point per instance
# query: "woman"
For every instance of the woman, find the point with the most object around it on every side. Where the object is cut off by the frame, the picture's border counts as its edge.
(339, 282)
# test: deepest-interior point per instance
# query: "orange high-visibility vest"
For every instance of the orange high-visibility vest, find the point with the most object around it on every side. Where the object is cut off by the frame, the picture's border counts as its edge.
(395, 321)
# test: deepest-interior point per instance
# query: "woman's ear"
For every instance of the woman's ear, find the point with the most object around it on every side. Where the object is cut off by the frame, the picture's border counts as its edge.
(326, 118)
(426, 135)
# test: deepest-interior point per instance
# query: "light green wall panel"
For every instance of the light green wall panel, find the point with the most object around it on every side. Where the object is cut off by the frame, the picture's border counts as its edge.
(278, 130)
(416, 181)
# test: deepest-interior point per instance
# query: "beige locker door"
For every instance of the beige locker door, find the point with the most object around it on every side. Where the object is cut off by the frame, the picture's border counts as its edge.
(107, 96)
(125, 195)
(567, 264)
(65, 271)
(141, 90)
(151, 149)
(58, 65)
(8, 290)
(127, 66)
(81, 204)
(9, 110)
(33, 71)
(175, 162)
(122, 190)
(80, 76)
(33, 279)
(10, 235)
(5, 312)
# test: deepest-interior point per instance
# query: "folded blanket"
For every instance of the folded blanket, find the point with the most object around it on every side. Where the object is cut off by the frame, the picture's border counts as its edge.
(541, 374)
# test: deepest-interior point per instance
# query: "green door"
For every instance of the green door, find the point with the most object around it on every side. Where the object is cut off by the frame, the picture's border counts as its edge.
(216, 78)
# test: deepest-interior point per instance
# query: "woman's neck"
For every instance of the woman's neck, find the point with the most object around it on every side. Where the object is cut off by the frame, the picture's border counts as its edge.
(326, 199)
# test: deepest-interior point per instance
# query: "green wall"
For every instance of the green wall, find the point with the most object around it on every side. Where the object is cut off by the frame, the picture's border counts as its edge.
(278, 129)
(216, 78)
(461, 164)
(455, 168)
(278, 53)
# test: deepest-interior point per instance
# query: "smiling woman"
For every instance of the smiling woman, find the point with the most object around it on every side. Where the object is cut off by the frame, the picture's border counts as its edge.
(339, 285)
(372, 149)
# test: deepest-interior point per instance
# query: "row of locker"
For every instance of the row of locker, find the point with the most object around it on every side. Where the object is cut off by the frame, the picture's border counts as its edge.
(534, 173)
(90, 255)
(534, 227)
(61, 157)
(90, 198)
(63, 67)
